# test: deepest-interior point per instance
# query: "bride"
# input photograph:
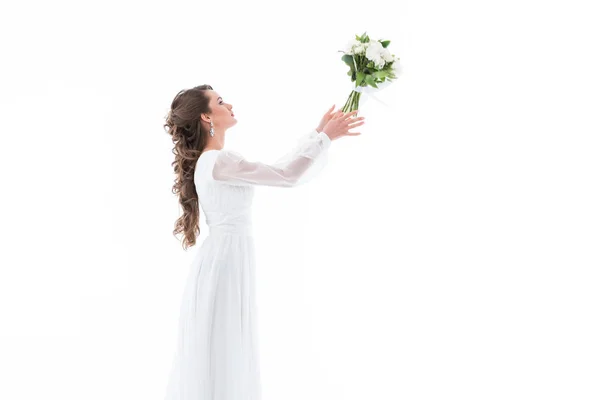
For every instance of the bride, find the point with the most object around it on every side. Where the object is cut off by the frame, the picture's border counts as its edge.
(217, 352)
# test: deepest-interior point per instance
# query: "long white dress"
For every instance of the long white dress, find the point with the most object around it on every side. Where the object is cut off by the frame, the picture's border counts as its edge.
(217, 354)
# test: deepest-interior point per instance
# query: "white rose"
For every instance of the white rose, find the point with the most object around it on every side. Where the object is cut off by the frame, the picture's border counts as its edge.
(348, 48)
(387, 56)
(360, 48)
(374, 51)
(351, 47)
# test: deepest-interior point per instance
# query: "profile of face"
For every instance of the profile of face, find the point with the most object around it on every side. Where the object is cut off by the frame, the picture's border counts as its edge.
(222, 115)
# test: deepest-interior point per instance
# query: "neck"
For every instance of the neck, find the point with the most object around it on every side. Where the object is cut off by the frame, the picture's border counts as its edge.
(217, 142)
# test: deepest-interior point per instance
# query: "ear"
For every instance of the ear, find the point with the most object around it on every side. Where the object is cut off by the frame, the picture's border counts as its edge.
(204, 118)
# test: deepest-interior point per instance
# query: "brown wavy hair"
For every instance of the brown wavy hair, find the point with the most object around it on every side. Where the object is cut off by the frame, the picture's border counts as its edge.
(190, 138)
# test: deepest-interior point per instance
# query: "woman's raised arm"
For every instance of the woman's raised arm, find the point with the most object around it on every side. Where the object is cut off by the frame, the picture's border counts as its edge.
(232, 168)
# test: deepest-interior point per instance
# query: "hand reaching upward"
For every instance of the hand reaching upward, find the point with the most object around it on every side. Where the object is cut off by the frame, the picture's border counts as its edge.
(340, 123)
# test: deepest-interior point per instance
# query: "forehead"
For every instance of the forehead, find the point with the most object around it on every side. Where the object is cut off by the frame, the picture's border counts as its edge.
(216, 96)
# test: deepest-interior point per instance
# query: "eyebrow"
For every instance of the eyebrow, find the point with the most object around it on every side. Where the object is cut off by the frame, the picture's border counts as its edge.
(220, 98)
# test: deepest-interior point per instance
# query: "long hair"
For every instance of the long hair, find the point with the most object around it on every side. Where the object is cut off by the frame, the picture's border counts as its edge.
(183, 123)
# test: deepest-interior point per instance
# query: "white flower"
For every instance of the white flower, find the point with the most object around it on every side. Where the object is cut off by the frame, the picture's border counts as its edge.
(387, 56)
(360, 48)
(377, 53)
(396, 67)
(355, 47)
(351, 46)
(374, 50)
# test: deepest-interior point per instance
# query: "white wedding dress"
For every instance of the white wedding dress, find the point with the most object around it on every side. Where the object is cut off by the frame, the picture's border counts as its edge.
(217, 354)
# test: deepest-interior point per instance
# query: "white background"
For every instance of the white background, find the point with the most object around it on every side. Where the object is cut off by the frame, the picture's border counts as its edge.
(449, 252)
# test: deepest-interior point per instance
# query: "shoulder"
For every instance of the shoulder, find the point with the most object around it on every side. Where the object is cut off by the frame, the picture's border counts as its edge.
(220, 160)
(228, 156)
(220, 153)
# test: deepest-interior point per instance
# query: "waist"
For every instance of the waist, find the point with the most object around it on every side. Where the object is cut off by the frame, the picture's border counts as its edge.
(245, 229)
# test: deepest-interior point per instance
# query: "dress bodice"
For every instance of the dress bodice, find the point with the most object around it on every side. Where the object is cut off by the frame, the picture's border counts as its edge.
(225, 180)
(227, 207)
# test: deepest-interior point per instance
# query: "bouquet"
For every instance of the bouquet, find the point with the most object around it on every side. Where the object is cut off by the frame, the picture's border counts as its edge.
(371, 63)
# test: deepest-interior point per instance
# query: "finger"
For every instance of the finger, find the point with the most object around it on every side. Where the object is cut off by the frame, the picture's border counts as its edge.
(351, 120)
(351, 114)
(355, 124)
(352, 133)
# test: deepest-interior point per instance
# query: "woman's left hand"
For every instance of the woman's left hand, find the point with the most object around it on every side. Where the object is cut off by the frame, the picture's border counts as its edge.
(326, 118)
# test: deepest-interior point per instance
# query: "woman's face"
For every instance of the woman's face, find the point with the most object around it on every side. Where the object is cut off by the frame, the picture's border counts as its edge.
(222, 116)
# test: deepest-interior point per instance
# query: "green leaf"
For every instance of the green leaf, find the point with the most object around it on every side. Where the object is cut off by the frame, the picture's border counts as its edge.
(385, 43)
(347, 58)
(371, 81)
(360, 77)
(380, 74)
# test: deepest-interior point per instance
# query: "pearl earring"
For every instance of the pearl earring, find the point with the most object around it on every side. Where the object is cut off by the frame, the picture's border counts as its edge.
(212, 131)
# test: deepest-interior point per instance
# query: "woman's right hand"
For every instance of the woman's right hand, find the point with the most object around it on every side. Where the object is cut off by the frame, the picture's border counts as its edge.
(340, 123)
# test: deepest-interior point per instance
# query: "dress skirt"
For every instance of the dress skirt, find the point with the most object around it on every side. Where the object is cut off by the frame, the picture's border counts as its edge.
(217, 347)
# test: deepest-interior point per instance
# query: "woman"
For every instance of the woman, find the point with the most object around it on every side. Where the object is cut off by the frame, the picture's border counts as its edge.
(217, 349)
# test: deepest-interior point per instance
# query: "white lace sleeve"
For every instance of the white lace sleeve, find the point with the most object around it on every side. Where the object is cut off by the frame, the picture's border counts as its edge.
(296, 167)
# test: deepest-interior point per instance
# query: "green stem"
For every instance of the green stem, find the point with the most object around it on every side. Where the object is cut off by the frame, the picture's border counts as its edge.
(352, 102)
(346, 104)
